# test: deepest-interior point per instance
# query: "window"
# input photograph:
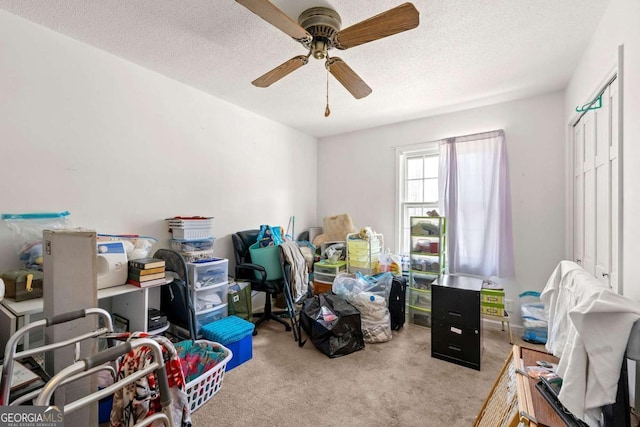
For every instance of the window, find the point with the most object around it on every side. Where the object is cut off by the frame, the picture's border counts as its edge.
(418, 187)
(466, 179)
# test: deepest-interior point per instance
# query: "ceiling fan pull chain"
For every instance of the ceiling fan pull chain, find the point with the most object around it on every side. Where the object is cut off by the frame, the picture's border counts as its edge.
(327, 111)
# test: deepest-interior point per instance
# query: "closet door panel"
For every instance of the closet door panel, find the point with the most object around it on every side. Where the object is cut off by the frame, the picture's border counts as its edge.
(578, 195)
(589, 130)
(615, 186)
(603, 191)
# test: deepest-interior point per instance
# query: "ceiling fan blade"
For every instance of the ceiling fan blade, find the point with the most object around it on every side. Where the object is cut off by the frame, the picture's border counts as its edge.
(270, 13)
(393, 21)
(280, 71)
(348, 78)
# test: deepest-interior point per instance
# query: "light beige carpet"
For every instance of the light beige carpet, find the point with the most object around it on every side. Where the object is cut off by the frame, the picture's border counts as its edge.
(396, 383)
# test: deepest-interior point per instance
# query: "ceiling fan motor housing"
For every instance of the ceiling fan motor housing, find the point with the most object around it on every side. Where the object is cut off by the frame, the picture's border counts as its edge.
(322, 23)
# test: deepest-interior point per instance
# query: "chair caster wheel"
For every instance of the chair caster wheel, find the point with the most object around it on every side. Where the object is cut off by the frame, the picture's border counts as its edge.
(288, 328)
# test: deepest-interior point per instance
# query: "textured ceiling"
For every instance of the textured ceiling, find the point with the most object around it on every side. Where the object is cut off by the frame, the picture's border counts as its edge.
(464, 53)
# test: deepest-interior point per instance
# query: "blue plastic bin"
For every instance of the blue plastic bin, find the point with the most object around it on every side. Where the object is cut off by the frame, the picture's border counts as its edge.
(234, 333)
(242, 351)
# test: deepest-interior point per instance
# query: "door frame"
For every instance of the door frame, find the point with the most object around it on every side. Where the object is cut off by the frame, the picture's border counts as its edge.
(615, 72)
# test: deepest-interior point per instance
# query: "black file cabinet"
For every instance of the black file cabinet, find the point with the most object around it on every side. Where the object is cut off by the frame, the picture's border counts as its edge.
(455, 312)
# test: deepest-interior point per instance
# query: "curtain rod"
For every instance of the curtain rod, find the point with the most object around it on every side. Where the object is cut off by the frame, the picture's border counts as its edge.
(438, 141)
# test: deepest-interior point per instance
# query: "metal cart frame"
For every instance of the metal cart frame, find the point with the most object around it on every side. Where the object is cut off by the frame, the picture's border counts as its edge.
(12, 354)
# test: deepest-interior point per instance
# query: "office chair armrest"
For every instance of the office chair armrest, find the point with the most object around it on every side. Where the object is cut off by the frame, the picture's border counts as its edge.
(252, 268)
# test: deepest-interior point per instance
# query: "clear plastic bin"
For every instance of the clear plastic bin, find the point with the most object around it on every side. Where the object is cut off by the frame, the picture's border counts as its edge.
(323, 267)
(324, 277)
(420, 298)
(208, 273)
(192, 245)
(420, 318)
(193, 256)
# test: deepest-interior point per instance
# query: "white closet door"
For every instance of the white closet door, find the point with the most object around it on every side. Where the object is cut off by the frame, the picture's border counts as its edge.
(596, 190)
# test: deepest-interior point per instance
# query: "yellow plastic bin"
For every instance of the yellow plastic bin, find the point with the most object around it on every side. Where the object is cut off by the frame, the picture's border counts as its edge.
(269, 258)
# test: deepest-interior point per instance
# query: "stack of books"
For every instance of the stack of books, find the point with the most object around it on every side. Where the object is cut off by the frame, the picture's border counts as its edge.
(145, 272)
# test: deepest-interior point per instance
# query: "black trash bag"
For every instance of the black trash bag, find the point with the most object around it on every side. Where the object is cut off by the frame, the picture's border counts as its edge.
(332, 324)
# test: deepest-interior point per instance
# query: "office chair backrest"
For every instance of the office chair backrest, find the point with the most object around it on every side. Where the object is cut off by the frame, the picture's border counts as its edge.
(175, 298)
(241, 242)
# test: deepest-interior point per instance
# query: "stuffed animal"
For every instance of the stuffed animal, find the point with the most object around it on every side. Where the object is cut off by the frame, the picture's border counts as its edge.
(366, 233)
(335, 229)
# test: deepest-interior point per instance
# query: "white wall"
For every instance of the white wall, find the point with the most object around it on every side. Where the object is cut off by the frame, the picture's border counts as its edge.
(619, 26)
(356, 174)
(122, 147)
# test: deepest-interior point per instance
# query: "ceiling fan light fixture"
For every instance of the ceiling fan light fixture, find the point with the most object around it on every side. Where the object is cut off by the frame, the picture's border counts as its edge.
(319, 48)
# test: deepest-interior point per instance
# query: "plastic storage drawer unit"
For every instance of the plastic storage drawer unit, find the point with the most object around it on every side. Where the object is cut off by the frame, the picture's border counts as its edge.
(208, 273)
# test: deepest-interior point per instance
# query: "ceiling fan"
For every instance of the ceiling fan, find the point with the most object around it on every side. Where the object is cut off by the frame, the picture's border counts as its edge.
(318, 30)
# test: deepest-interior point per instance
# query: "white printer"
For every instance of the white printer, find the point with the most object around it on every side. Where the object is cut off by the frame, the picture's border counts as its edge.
(112, 264)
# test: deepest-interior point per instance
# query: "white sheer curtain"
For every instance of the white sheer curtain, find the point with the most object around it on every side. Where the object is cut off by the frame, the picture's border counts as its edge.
(475, 198)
